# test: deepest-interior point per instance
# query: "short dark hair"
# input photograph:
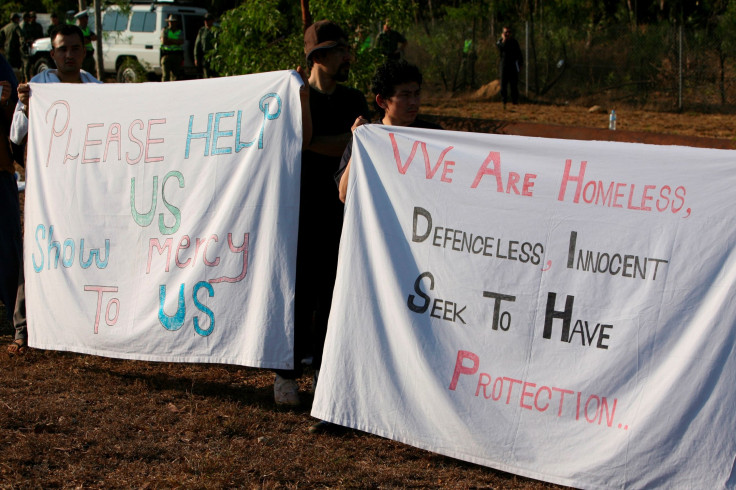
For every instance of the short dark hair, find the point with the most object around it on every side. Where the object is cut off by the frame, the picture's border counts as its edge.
(391, 74)
(67, 30)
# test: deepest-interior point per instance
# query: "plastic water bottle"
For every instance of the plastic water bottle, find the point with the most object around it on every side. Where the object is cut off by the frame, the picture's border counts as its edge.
(612, 120)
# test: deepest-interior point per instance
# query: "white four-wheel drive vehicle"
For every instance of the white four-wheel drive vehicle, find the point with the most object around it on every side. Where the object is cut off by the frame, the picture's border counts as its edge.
(132, 39)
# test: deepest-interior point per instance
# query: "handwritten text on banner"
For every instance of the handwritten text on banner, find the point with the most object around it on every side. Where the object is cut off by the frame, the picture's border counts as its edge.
(161, 220)
(557, 309)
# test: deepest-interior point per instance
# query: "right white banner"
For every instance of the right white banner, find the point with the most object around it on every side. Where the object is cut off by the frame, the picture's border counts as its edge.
(558, 309)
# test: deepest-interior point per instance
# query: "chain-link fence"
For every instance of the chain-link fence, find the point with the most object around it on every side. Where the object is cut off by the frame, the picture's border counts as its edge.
(660, 67)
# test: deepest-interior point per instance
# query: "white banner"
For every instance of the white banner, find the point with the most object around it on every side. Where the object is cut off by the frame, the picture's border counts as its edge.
(161, 219)
(558, 309)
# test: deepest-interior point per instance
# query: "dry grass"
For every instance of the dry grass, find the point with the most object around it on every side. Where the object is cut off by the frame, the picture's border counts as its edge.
(70, 420)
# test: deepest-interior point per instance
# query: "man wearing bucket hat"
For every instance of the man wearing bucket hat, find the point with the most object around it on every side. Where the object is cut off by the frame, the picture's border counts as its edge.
(172, 49)
(334, 109)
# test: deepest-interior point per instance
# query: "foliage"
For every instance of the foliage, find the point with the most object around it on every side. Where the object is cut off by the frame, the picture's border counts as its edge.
(268, 35)
(257, 37)
(46, 6)
(60, 6)
(449, 46)
(724, 41)
(7, 10)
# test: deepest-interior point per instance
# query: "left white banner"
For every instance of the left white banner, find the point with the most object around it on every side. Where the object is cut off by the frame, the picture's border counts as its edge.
(161, 219)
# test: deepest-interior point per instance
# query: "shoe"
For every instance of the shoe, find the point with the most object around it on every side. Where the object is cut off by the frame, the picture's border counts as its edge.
(324, 427)
(286, 392)
(18, 347)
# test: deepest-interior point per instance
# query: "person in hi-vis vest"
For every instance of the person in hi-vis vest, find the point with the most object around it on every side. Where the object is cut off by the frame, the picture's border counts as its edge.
(88, 64)
(172, 49)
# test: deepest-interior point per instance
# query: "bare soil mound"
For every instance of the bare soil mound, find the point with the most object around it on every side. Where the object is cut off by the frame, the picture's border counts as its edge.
(488, 91)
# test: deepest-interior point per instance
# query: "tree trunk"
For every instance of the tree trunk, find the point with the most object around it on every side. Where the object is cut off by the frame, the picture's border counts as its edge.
(98, 43)
(722, 59)
(306, 14)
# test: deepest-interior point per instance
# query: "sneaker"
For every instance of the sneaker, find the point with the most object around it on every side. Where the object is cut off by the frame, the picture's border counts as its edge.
(286, 392)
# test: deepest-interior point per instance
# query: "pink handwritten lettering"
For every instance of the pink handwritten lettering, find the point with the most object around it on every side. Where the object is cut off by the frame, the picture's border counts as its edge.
(110, 321)
(592, 408)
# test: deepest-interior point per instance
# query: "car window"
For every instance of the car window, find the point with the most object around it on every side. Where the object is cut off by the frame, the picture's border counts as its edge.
(114, 21)
(143, 22)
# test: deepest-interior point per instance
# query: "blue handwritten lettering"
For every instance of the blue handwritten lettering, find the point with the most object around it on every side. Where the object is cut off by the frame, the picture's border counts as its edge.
(66, 252)
(39, 267)
(205, 135)
(217, 134)
(270, 105)
(171, 322)
(93, 252)
(263, 105)
(203, 308)
(239, 145)
(68, 262)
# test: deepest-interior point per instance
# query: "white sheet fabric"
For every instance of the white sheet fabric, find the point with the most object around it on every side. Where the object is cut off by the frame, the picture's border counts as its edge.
(459, 250)
(173, 210)
(19, 127)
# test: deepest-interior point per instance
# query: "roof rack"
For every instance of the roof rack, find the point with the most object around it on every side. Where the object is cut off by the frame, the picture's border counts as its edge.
(188, 3)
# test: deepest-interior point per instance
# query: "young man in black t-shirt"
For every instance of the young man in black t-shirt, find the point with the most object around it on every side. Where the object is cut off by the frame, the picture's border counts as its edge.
(334, 109)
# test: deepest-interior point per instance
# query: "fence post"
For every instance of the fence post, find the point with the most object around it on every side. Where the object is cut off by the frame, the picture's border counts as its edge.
(526, 59)
(679, 95)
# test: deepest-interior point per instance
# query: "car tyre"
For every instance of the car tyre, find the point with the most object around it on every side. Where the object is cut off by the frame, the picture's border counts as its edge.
(42, 64)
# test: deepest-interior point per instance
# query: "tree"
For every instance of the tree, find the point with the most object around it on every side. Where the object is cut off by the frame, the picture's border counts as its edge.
(60, 6)
(725, 44)
(7, 10)
(268, 35)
